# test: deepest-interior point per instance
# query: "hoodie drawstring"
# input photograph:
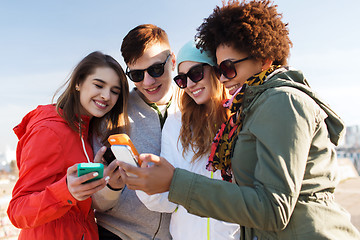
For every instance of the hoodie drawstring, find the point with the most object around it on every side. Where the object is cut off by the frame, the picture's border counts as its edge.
(84, 149)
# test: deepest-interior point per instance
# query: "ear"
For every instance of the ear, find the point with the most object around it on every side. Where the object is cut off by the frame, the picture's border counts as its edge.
(173, 61)
(266, 64)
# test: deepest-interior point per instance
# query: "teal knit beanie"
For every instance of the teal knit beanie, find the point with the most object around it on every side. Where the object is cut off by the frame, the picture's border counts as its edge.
(189, 52)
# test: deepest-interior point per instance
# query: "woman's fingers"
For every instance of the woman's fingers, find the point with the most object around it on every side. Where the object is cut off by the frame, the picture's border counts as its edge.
(80, 187)
(99, 155)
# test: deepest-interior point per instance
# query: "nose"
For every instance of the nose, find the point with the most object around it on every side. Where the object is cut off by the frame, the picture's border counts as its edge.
(223, 79)
(105, 94)
(148, 80)
(190, 83)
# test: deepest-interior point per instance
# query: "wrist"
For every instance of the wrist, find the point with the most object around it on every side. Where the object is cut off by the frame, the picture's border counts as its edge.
(114, 189)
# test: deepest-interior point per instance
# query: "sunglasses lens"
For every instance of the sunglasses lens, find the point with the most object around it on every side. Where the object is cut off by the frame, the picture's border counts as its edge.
(181, 80)
(196, 73)
(136, 75)
(156, 70)
(228, 69)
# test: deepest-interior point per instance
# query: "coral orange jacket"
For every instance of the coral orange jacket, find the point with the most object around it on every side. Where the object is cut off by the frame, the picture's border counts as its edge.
(42, 205)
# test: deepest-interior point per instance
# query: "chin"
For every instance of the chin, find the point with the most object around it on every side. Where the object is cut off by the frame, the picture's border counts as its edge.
(199, 102)
(154, 99)
(98, 115)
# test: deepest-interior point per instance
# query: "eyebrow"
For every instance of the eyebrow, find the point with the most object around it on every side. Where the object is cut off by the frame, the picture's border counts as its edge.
(102, 81)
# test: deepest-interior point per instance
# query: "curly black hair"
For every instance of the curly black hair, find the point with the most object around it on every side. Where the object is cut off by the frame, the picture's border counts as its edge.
(254, 27)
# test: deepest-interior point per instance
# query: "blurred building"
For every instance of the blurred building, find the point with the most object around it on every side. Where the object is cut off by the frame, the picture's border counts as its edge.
(352, 137)
(351, 146)
(7, 158)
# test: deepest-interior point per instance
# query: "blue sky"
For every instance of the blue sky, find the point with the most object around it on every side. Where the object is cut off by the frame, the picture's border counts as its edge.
(41, 42)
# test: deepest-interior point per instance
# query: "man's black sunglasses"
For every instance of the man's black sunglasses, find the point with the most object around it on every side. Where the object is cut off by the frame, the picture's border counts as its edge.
(155, 71)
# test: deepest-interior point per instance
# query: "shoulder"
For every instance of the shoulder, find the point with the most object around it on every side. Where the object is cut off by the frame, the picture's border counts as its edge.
(284, 95)
(285, 109)
(137, 107)
(46, 117)
(135, 100)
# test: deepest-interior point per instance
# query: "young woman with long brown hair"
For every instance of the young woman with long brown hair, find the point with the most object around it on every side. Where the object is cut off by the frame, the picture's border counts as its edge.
(49, 200)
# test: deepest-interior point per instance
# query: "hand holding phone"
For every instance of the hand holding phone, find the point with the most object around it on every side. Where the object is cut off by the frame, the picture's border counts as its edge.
(78, 189)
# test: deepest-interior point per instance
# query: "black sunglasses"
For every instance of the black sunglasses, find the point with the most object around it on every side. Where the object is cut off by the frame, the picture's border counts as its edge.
(196, 73)
(155, 70)
(227, 68)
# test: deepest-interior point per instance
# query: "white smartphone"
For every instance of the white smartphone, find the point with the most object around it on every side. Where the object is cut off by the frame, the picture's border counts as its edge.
(125, 154)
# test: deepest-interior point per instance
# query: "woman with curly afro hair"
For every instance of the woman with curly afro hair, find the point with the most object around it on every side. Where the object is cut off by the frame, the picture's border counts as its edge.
(276, 151)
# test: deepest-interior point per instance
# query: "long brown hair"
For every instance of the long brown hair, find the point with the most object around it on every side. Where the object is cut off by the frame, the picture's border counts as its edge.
(69, 107)
(199, 123)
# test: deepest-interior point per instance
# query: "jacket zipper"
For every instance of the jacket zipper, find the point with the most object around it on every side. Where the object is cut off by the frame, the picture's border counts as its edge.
(157, 230)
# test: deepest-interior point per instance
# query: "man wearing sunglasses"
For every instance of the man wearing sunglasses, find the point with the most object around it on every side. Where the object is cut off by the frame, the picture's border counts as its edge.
(150, 61)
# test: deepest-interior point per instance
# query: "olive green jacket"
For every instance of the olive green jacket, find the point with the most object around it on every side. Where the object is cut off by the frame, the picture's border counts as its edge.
(284, 165)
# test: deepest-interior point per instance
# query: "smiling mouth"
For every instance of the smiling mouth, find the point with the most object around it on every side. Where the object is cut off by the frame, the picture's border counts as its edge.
(100, 104)
(197, 91)
(234, 87)
(152, 89)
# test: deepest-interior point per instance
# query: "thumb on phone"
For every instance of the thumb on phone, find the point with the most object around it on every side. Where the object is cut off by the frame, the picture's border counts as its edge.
(72, 170)
(99, 155)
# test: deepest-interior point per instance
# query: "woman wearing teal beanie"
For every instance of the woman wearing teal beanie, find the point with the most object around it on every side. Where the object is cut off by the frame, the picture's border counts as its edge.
(186, 140)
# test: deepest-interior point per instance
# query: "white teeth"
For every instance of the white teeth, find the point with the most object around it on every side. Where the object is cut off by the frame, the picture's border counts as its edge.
(152, 89)
(101, 104)
(233, 87)
(197, 91)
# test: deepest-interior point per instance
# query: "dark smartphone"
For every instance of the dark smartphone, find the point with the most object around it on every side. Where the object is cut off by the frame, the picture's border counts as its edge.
(109, 156)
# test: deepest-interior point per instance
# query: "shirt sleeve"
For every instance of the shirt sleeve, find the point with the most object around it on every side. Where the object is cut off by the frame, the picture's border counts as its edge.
(157, 202)
(282, 133)
(40, 194)
(105, 199)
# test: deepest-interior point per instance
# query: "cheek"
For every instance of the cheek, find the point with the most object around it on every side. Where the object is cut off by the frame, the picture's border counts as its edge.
(165, 80)
(82, 98)
(187, 91)
(138, 84)
(114, 99)
(208, 94)
(167, 72)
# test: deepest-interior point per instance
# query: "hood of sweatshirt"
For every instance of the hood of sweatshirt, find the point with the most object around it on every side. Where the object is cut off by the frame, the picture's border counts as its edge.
(40, 114)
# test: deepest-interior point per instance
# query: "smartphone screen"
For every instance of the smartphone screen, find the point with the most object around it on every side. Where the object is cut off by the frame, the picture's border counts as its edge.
(109, 156)
(124, 153)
